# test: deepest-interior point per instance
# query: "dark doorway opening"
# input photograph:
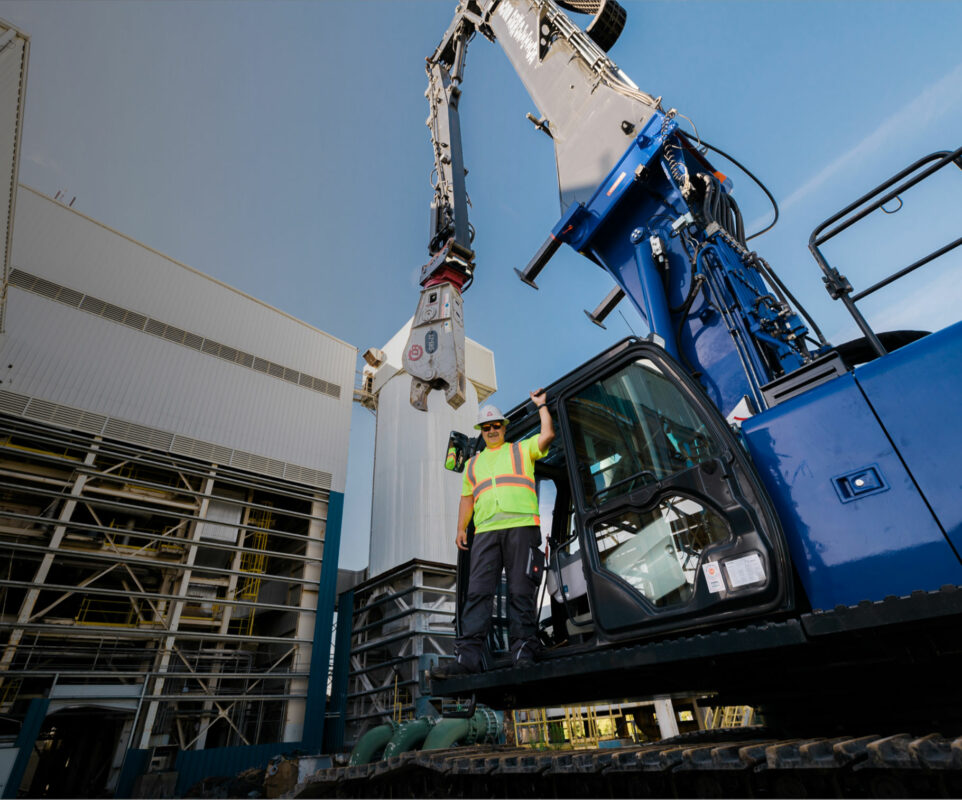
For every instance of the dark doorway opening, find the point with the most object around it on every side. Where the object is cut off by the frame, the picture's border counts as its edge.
(74, 751)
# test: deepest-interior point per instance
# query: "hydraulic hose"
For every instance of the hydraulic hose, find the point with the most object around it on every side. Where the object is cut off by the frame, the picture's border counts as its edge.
(372, 743)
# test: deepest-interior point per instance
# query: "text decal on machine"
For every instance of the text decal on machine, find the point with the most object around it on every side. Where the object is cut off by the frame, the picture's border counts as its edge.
(713, 577)
(519, 31)
(746, 570)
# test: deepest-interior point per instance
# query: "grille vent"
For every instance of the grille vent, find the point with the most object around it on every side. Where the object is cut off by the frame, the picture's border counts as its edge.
(140, 322)
(139, 434)
(314, 477)
(11, 403)
(205, 451)
(66, 416)
(47, 288)
(256, 463)
(19, 405)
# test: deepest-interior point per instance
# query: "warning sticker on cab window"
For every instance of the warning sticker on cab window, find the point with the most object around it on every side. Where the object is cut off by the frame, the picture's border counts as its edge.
(745, 570)
(713, 577)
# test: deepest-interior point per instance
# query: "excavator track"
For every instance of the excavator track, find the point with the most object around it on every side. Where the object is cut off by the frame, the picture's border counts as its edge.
(737, 762)
(840, 688)
(854, 669)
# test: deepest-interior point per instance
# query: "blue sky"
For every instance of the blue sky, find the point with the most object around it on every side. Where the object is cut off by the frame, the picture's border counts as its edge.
(280, 147)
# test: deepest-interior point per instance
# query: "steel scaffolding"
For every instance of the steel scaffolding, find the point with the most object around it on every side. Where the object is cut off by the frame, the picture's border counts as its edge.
(193, 584)
(402, 621)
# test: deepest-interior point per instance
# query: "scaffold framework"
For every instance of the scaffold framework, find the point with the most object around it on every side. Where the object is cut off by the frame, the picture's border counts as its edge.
(188, 586)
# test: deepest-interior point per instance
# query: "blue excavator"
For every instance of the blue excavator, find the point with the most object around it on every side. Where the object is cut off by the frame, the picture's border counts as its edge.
(737, 506)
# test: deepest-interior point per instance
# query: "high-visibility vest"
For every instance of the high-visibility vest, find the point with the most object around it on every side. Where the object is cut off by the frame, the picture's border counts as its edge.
(501, 481)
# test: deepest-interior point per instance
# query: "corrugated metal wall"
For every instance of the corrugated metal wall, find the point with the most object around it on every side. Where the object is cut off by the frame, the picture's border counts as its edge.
(195, 765)
(96, 358)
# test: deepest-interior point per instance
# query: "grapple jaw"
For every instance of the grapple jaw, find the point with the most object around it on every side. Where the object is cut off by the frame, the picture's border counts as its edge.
(434, 354)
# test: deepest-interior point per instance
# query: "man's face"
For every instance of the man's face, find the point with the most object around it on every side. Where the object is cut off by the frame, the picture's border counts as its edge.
(493, 433)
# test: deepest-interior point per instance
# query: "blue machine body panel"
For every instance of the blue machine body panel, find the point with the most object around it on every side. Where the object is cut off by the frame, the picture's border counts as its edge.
(621, 244)
(916, 393)
(639, 199)
(856, 525)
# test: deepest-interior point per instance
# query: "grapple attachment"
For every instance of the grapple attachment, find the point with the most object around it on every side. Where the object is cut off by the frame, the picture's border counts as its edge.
(434, 354)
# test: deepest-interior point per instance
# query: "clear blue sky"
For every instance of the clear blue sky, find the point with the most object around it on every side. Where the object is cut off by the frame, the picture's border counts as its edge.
(280, 147)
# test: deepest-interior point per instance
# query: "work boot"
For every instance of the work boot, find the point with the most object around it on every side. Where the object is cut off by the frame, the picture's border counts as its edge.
(525, 655)
(452, 669)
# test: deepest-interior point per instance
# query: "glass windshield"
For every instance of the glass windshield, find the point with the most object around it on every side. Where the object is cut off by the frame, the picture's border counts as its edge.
(632, 428)
(658, 551)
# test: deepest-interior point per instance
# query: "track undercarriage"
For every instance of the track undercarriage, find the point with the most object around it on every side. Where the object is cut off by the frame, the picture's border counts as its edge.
(746, 763)
(860, 701)
(884, 668)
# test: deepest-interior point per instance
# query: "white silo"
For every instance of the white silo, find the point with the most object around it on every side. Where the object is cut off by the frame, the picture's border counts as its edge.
(402, 617)
(415, 499)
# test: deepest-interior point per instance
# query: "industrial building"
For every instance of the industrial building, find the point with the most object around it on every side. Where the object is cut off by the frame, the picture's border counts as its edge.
(173, 456)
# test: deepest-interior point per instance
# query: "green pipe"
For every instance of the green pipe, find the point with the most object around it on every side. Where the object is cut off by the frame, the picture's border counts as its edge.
(372, 743)
(447, 733)
(484, 726)
(408, 736)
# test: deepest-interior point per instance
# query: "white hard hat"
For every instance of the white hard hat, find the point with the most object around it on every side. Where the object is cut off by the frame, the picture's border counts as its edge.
(489, 413)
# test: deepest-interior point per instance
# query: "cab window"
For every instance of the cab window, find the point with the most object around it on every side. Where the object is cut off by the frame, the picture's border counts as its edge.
(633, 428)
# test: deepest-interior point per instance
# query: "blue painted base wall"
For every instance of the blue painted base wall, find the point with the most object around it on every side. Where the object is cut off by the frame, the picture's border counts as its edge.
(225, 762)
(36, 713)
(135, 765)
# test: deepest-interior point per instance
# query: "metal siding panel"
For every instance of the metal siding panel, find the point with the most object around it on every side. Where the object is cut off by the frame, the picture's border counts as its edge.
(135, 763)
(70, 357)
(74, 358)
(64, 246)
(195, 765)
(222, 352)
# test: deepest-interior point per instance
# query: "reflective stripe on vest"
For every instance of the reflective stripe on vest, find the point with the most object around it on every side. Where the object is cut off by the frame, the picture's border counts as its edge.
(504, 480)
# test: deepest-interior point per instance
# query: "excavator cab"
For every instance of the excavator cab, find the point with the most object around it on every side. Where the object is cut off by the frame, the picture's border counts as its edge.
(652, 514)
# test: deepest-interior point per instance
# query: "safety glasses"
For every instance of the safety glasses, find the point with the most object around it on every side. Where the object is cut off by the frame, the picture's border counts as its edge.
(491, 426)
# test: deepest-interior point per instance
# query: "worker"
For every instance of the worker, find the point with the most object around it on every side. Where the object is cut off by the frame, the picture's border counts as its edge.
(499, 492)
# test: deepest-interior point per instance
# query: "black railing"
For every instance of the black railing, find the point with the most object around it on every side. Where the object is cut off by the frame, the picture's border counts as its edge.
(836, 284)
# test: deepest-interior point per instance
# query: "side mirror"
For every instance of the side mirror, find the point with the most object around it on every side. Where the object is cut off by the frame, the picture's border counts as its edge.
(460, 449)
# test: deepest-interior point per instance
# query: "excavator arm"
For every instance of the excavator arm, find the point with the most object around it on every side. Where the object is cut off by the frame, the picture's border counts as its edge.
(638, 198)
(434, 355)
(573, 84)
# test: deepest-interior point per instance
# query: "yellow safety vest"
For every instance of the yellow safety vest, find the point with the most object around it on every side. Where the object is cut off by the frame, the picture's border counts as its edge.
(502, 483)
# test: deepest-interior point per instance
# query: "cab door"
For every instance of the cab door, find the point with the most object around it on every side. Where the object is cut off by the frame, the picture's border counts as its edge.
(676, 530)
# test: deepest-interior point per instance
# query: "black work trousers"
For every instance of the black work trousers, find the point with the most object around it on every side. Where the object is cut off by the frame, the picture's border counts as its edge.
(492, 551)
